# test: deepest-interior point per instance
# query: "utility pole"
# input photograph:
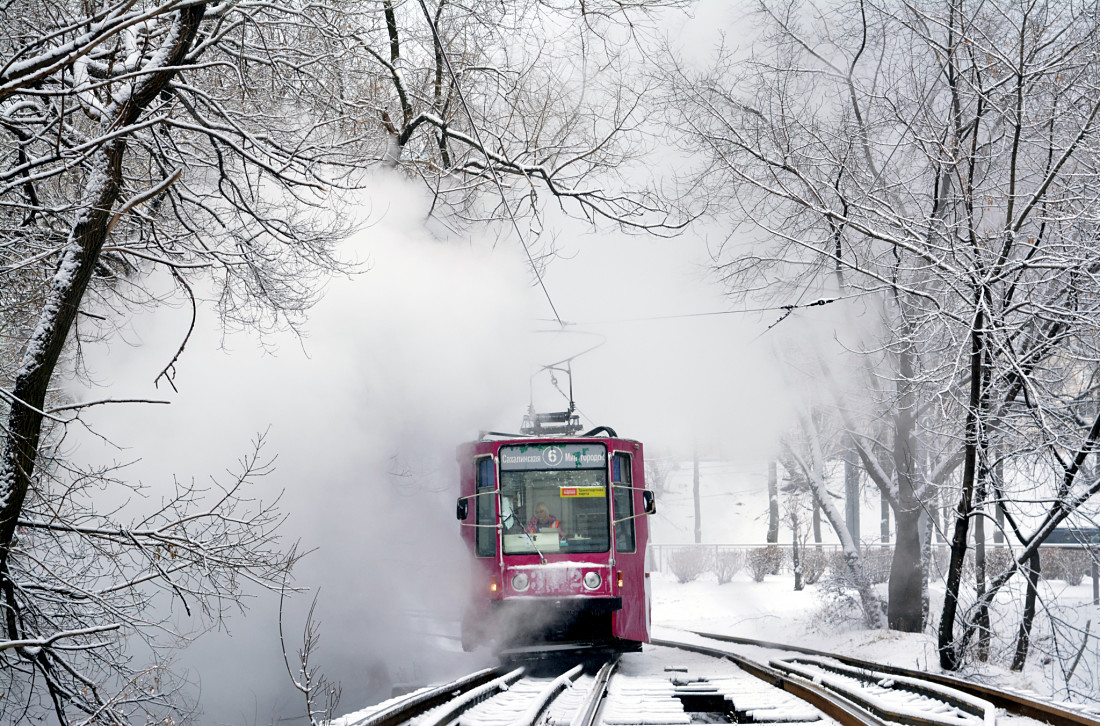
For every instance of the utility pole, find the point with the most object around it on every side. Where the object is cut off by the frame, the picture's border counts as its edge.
(695, 493)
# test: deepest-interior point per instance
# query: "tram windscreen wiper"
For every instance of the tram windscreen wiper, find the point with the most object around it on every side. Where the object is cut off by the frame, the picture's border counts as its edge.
(509, 520)
(531, 540)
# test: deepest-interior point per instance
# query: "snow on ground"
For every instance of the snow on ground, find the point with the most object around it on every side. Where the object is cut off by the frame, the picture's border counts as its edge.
(734, 505)
(772, 610)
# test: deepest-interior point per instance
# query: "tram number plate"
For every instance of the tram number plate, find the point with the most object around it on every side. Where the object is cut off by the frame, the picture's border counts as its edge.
(600, 492)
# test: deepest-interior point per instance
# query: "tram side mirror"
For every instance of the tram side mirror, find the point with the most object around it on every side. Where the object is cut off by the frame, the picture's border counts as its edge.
(649, 502)
(463, 509)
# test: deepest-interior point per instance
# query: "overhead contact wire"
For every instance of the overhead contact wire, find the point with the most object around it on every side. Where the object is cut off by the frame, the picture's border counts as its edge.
(786, 309)
(488, 160)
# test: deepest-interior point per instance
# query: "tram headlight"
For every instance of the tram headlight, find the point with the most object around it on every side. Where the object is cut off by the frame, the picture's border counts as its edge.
(520, 582)
(592, 580)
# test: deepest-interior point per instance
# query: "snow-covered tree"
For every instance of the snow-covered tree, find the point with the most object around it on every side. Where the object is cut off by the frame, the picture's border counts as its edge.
(203, 143)
(935, 161)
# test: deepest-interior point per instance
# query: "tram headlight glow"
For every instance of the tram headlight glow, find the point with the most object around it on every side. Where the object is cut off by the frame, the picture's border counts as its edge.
(521, 582)
(592, 580)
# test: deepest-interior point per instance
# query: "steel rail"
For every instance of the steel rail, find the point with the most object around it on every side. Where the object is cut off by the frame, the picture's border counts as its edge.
(531, 715)
(420, 702)
(834, 705)
(452, 709)
(963, 702)
(586, 714)
(1014, 703)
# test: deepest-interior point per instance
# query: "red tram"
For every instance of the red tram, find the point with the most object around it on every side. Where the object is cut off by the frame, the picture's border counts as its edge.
(557, 527)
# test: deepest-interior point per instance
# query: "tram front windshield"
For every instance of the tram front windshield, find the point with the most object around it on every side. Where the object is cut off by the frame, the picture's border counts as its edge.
(553, 498)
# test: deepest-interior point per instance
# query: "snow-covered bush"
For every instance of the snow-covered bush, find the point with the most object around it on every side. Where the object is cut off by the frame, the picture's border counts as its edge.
(835, 563)
(814, 563)
(764, 561)
(727, 563)
(840, 602)
(997, 560)
(1066, 564)
(876, 563)
(687, 563)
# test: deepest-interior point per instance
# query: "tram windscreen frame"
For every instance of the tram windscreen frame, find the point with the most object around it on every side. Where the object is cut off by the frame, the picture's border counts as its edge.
(569, 480)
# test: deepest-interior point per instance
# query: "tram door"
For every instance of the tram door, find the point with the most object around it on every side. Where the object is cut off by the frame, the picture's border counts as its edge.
(631, 535)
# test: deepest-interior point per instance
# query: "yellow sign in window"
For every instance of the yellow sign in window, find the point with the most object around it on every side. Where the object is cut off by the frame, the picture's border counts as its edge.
(599, 492)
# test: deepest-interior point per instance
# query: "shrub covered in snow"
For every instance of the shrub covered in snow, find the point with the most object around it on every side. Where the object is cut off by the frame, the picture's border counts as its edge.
(840, 604)
(876, 563)
(814, 563)
(727, 563)
(1066, 564)
(687, 563)
(997, 560)
(764, 561)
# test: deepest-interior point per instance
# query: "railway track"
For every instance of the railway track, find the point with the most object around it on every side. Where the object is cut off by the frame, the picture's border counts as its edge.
(413, 705)
(1011, 702)
(644, 691)
(492, 697)
(853, 700)
(678, 683)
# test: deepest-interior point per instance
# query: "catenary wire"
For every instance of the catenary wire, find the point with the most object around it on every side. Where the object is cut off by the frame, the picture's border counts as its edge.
(786, 309)
(488, 160)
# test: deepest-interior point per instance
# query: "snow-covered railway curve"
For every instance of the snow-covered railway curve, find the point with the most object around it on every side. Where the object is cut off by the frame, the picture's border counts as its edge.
(492, 697)
(762, 693)
(664, 686)
(656, 687)
(1017, 704)
(412, 706)
(895, 698)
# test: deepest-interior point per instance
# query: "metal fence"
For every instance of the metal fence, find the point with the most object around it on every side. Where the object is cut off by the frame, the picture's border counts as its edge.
(1070, 562)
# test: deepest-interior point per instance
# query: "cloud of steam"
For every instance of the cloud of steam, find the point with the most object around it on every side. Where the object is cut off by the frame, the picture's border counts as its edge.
(399, 366)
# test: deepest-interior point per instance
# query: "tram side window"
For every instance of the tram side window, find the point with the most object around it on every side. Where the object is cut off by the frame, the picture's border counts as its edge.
(486, 508)
(624, 502)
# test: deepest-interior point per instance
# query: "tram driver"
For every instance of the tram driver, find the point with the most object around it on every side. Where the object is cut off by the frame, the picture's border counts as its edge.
(543, 521)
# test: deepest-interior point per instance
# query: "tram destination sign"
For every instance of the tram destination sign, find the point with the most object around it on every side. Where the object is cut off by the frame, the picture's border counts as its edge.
(552, 456)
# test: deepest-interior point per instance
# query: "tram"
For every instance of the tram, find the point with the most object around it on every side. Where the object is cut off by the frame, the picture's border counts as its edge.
(556, 523)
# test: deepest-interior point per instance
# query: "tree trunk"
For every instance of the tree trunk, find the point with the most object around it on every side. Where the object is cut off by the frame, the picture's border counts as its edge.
(906, 576)
(872, 606)
(981, 619)
(773, 512)
(1023, 638)
(884, 519)
(998, 508)
(927, 528)
(817, 524)
(65, 294)
(851, 494)
(796, 559)
(950, 653)
(773, 504)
